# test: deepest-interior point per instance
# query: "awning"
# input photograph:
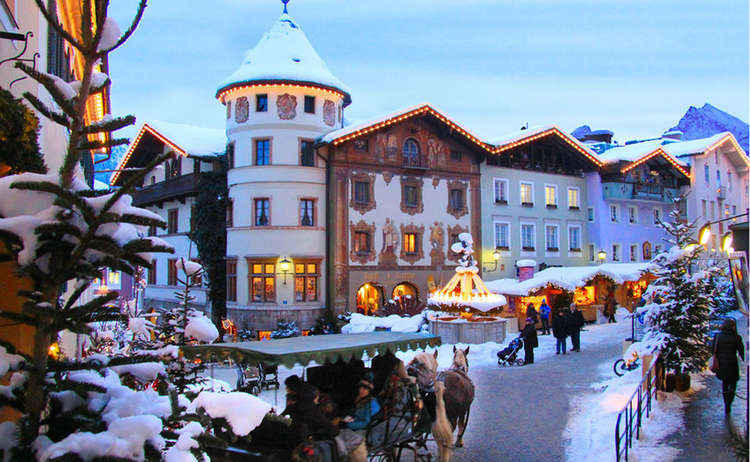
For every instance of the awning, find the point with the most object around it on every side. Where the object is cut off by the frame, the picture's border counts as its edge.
(318, 348)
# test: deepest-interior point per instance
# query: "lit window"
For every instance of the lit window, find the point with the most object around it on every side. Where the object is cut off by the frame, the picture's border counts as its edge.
(574, 200)
(262, 282)
(410, 243)
(361, 242)
(527, 194)
(306, 282)
(613, 213)
(550, 196)
(632, 215)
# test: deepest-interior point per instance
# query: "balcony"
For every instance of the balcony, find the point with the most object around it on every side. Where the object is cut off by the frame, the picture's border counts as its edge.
(638, 191)
(175, 188)
(414, 162)
(721, 193)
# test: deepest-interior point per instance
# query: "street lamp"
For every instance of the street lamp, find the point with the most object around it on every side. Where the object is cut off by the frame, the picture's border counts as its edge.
(602, 255)
(726, 242)
(496, 258)
(284, 265)
(704, 234)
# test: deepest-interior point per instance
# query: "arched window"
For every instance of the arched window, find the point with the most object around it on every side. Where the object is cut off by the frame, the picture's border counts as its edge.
(404, 290)
(647, 250)
(411, 153)
(369, 298)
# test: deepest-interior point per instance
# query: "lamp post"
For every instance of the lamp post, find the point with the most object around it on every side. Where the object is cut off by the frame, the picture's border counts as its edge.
(495, 258)
(284, 266)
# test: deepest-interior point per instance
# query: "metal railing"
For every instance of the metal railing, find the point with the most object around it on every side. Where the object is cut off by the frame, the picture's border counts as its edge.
(632, 413)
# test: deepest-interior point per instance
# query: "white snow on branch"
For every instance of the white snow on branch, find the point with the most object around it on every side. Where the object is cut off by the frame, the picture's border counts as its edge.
(242, 411)
(8, 438)
(110, 35)
(8, 361)
(201, 328)
(145, 372)
(188, 267)
(180, 452)
(68, 91)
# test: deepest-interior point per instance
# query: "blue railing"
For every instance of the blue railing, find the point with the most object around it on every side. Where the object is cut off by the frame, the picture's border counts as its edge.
(632, 413)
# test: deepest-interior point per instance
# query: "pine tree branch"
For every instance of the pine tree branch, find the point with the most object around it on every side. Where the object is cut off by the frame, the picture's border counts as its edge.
(88, 145)
(51, 86)
(52, 22)
(131, 29)
(56, 117)
(114, 124)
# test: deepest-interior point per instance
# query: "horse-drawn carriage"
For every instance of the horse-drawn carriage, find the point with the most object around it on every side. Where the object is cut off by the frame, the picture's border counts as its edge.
(338, 366)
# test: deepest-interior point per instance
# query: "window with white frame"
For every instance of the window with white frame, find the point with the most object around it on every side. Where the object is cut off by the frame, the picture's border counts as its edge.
(590, 214)
(633, 252)
(527, 194)
(574, 238)
(592, 252)
(502, 235)
(550, 195)
(614, 213)
(632, 214)
(552, 238)
(528, 231)
(501, 191)
(657, 215)
(574, 198)
(615, 252)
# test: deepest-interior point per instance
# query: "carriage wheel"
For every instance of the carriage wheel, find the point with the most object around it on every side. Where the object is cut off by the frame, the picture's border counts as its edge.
(255, 390)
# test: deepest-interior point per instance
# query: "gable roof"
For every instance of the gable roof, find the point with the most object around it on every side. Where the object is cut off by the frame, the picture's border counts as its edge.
(520, 137)
(637, 153)
(342, 135)
(186, 140)
(685, 149)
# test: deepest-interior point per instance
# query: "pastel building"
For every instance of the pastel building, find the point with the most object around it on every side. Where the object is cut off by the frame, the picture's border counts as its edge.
(533, 190)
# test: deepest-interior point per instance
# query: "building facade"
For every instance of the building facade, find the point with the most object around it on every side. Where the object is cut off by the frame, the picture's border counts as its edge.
(533, 192)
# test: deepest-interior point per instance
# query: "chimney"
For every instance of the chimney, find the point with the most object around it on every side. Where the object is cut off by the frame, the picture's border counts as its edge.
(673, 135)
(525, 269)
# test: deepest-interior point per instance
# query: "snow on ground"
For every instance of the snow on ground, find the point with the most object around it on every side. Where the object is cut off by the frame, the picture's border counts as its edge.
(592, 419)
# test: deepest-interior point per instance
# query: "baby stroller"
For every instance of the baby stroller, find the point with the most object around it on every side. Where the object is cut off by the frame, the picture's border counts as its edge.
(508, 356)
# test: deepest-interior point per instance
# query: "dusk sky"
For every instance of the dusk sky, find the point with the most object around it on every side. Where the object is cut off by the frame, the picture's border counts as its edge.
(632, 66)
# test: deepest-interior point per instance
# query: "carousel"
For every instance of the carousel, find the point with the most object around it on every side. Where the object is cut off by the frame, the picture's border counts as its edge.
(469, 304)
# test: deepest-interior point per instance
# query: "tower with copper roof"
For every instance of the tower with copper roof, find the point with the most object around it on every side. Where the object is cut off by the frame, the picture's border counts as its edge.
(278, 101)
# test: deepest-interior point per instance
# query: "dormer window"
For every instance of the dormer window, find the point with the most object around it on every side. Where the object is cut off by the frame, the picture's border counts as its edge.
(261, 103)
(310, 104)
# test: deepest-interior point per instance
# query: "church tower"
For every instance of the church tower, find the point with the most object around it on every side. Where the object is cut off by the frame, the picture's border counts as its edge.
(280, 99)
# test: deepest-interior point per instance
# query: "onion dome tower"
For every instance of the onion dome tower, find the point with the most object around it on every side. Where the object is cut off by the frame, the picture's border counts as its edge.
(278, 101)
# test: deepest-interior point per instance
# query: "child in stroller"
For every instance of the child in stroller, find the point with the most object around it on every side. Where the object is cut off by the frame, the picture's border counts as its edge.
(508, 355)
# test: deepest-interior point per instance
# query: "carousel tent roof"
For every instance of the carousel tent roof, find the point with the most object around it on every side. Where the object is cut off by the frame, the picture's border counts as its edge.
(318, 348)
(570, 277)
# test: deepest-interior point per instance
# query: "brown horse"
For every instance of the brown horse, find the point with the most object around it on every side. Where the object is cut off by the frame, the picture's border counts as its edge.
(459, 393)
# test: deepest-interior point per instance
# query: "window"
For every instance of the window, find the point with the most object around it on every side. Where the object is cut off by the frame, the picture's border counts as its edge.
(704, 208)
(633, 252)
(501, 191)
(527, 236)
(362, 192)
(172, 272)
(718, 177)
(729, 180)
(361, 145)
(361, 242)
(262, 152)
(262, 282)
(615, 252)
(410, 196)
(456, 155)
(550, 196)
(307, 153)
(456, 199)
(713, 210)
(527, 194)
(310, 104)
(502, 235)
(410, 243)
(410, 153)
(172, 221)
(230, 213)
(574, 238)
(152, 230)
(307, 212)
(590, 214)
(230, 155)
(574, 199)
(706, 174)
(646, 247)
(152, 273)
(726, 210)
(592, 252)
(231, 280)
(261, 103)
(306, 282)
(552, 238)
(632, 215)
(657, 215)
(734, 210)
(262, 212)
(153, 179)
(614, 212)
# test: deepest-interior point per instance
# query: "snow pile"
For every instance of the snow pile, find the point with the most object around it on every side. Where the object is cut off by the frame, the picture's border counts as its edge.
(190, 268)
(201, 328)
(124, 438)
(360, 323)
(242, 411)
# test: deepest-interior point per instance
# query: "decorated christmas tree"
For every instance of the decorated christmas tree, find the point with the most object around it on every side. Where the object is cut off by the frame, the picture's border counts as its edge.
(680, 302)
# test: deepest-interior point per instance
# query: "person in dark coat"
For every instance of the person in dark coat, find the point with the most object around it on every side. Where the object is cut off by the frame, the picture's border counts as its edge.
(610, 307)
(544, 311)
(560, 331)
(531, 313)
(727, 344)
(575, 320)
(308, 420)
(530, 341)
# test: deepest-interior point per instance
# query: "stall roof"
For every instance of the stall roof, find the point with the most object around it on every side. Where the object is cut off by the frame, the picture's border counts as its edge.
(318, 348)
(570, 277)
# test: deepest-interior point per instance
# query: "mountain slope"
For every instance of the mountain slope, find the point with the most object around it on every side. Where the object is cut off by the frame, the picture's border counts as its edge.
(710, 120)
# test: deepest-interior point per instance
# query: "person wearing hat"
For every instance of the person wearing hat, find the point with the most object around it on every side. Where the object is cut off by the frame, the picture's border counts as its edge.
(365, 405)
(530, 341)
(560, 331)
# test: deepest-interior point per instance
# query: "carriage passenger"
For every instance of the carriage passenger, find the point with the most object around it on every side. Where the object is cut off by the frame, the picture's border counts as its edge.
(365, 405)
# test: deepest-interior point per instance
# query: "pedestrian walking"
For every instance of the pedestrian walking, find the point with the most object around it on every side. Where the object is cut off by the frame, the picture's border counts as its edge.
(531, 313)
(610, 307)
(544, 311)
(530, 341)
(575, 318)
(727, 344)
(560, 331)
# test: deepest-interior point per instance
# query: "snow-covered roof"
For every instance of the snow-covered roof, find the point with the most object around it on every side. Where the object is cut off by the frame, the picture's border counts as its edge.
(192, 140)
(570, 278)
(699, 146)
(351, 131)
(284, 55)
(629, 152)
(510, 140)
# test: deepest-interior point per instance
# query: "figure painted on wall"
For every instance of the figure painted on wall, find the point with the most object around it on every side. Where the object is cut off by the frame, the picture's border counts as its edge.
(390, 237)
(435, 149)
(436, 235)
(286, 105)
(386, 145)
